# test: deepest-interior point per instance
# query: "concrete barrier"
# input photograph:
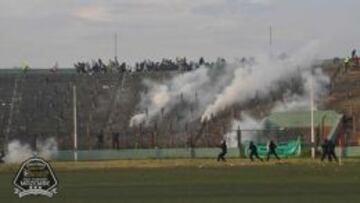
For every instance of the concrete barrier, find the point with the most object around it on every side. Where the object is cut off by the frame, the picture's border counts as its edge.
(83, 155)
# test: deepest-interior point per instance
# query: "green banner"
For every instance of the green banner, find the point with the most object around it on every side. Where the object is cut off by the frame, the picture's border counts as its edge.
(290, 148)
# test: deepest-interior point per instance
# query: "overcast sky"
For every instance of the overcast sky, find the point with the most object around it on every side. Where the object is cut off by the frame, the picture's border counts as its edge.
(41, 32)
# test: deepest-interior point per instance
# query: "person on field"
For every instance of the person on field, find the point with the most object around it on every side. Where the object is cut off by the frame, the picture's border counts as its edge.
(115, 140)
(223, 152)
(100, 140)
(2, 155)
(325, 151)
(253, 152)
(272, 150)
(331, 151)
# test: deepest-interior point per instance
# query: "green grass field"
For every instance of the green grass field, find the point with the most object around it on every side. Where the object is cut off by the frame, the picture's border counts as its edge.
(197, 181)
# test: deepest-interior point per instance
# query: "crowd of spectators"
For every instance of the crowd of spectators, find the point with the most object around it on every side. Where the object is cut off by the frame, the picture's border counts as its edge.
(180, 64)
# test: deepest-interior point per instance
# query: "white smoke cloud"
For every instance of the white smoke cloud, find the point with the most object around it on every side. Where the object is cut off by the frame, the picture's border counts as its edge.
(18, 152)
(220, 87)
(290, 102)
(260, 78)
(296, 102)
(204, 81)
(246, 124)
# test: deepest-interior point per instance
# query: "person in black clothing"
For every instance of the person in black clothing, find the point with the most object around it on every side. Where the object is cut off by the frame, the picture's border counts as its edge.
(115, 140)
(325, 151)
(253, 152)
(272, 150)
(100, 140)
(223, 152)
(331, 151)
(2, 155)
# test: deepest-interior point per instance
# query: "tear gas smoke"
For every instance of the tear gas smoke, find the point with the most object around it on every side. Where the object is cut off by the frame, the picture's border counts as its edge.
(162, 98)
(18, 152)
(222, 85)
(246, 123)
(297, 102)
(260, 79)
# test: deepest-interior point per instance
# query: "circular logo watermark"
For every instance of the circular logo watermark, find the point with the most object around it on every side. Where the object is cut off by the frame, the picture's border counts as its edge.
(35, 177)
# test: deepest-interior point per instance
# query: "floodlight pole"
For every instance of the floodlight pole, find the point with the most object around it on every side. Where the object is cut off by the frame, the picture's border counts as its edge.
(115, 46)
(312, 118)
(270, 40)
(75, 124)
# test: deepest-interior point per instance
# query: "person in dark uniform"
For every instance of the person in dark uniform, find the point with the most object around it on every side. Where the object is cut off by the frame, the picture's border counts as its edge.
(272, 150)
(253, 152)
(100, 140)
(2, 155)
(325, 151)
(331, 151)
(115, 140)
(223, 152)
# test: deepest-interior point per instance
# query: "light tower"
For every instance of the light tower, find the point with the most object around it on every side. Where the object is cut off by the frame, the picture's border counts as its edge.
(270, 40)
(115, 47)
(312, 117)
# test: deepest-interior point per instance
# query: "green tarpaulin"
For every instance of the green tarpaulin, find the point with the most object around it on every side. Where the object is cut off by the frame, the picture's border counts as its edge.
(290, 148)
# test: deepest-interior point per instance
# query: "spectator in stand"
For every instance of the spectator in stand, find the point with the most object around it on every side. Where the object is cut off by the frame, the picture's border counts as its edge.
(201, 61)
(97, 66)
(354, 58)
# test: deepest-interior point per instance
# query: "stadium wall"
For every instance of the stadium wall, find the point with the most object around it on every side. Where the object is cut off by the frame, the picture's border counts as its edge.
(285, 149)
(83, 155)
(352, 151)
(86, 155)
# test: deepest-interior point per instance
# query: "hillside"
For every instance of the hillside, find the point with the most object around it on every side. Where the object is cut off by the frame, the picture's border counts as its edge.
(344, 97)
